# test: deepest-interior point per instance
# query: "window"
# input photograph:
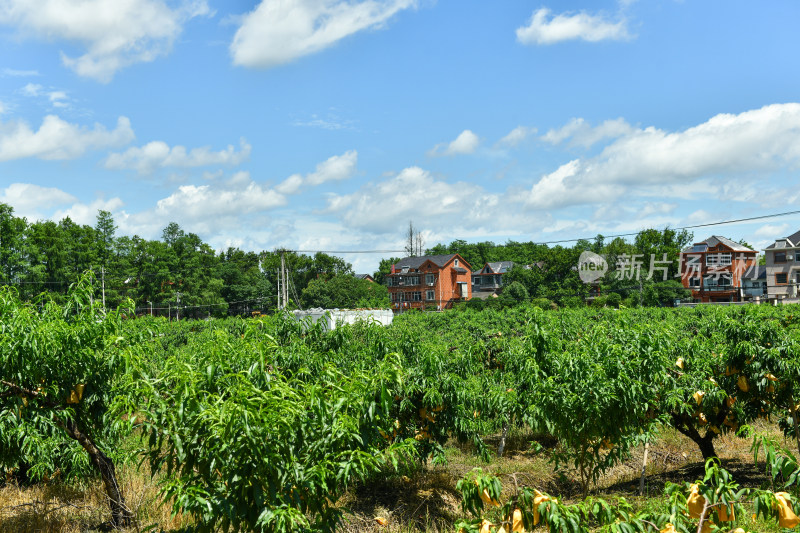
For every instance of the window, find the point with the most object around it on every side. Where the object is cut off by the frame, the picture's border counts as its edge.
(694, 282)
(415, 296)
(476, 280)
(455, 263)
(429, 295)
(721, 259)
(718, 280)
(430, 279)
(780, 279)
(780, 257)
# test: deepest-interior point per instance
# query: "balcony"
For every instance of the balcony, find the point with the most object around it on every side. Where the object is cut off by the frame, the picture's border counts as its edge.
(709, 287)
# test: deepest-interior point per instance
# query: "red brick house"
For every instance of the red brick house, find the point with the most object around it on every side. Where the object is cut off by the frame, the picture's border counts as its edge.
(429, 281)
(713, 269)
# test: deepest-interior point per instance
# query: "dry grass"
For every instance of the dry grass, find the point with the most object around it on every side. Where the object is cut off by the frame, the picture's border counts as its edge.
(424, 500)
(73, 508)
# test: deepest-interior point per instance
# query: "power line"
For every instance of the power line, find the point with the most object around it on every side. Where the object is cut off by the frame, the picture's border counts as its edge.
(708, 224)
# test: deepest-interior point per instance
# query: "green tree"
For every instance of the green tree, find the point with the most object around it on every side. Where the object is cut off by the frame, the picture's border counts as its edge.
(384, 269)
(345, 292)
(69, 385)
(12, 256)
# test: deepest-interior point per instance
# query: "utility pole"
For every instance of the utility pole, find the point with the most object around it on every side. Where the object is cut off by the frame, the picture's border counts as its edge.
(151, 307)
(283, 288)
(103, 284)
(178, 308)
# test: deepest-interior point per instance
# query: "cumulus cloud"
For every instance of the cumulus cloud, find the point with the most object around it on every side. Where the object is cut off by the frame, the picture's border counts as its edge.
(58, 139)
(581, 133)
(335, 168)
(157, 154)
(35, 202)
(466, 143)
(726, 146)
(379, 206)
(116, 33)
(546, 29)
(208, 210)
(278, 32)
(516, 136)
(82, 213)
(26, 198)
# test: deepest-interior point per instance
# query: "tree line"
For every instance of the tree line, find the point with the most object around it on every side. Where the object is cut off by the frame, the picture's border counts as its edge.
(178, 275)
(181, 274)
(549, 274)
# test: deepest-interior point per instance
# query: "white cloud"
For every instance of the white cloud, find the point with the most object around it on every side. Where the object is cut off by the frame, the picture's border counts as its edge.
(210, 210)
(19, 73)
(581, 133)
(516, 136)
(27, 198)
(157, 154)
(543, 29)
(32, 89)
(2, 108)
(726, 146)
(381, 207)
(277, 31)
(466, 143)
(35, 202)
(116, 33)
(56, 98)
(773, 231)
(58, 139)
(81, 213)
(335, 168)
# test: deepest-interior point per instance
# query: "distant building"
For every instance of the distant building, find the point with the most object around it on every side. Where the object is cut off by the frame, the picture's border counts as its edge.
(489, 280)
(783, 267)
(429, 281)
(713, 269)
(366, 277)
(754, 282)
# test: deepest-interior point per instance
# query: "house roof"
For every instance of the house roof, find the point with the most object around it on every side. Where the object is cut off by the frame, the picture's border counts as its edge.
(364, 276)
(792, 241)
(713, 241)
(497, 267)
(755, 272)
(416, 262)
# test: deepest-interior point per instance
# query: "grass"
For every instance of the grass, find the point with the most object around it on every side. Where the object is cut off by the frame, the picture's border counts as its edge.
(424, 499)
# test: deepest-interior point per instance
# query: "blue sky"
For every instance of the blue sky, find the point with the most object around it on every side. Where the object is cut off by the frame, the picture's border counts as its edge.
(330, 124)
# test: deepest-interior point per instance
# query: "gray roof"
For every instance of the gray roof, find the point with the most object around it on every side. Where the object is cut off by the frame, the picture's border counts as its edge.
(416, 262)
(363, 276)
(715, 240)
(755, 272)
(792, 241)
(498, 267)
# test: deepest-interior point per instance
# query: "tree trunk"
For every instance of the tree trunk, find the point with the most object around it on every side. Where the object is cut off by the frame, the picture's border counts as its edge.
(705, 443)
(121, 516)
(502, 445)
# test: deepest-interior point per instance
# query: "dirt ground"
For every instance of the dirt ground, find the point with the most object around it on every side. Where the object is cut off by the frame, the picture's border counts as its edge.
(424, 499)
